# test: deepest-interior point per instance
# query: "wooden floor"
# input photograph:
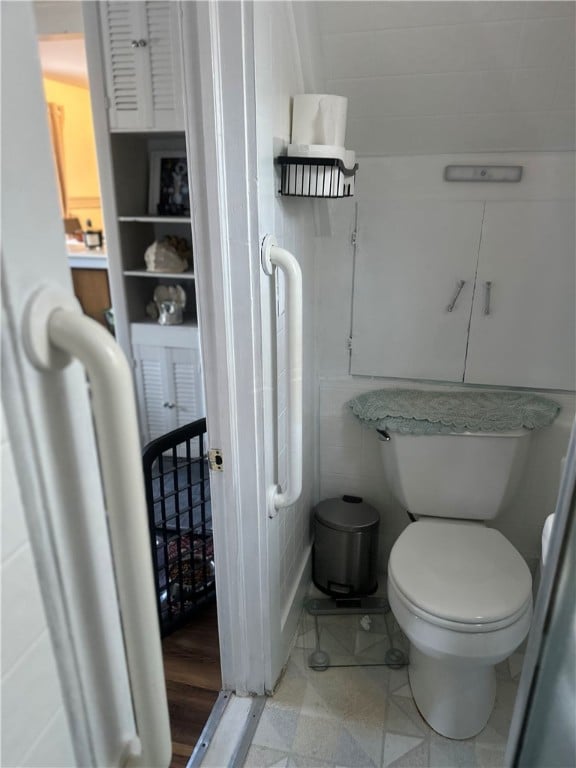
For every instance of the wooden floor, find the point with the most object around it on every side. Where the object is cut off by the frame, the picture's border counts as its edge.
(193, 681)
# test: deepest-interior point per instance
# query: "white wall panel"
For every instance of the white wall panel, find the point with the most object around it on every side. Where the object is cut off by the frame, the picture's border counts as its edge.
(34, 728)
(418, 66)
(353, 15)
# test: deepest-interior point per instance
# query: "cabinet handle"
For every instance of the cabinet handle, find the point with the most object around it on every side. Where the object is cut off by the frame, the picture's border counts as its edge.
(487, 292)
(452, 305)
(169, 405)
(138, 44)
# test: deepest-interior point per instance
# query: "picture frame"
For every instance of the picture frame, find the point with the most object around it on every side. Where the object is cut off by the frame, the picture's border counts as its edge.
(169, 190)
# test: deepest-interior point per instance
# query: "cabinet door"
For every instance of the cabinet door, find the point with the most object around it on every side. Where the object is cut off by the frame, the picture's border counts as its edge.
(409, 261)
(141, 44)
(127, 79)
(152, 386)
(93, 292)
(169, 386)
(164, 72)
(528, 337)
(185, 376)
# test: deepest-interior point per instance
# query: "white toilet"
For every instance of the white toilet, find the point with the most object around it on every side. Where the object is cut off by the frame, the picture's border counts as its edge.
(460, 591)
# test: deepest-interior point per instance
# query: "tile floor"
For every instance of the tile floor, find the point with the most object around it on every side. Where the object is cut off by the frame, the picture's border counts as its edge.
(365, 716)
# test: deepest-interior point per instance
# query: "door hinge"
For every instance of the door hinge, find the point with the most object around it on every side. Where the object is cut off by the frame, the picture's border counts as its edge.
(353, 237)
(215, 460)
(349, 343)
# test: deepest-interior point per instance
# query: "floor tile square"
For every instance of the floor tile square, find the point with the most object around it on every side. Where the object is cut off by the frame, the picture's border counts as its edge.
(396, 746)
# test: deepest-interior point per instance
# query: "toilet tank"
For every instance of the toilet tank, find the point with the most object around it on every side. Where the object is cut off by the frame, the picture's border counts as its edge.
(463, 476)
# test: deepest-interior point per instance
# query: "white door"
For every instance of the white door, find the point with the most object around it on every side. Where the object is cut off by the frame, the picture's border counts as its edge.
(413, 261)
(50, 427)
(523, 333)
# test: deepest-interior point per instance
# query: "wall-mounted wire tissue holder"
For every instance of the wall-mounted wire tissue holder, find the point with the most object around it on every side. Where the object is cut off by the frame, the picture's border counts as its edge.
(316, 177)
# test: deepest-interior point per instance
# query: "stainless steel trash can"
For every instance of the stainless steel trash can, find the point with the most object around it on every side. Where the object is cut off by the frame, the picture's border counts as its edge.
(345, 550)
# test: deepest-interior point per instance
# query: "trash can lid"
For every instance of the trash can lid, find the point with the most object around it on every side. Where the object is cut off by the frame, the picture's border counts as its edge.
(350, 513)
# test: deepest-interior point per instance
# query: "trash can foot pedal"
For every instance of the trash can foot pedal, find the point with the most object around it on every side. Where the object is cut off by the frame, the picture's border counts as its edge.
(326, 606)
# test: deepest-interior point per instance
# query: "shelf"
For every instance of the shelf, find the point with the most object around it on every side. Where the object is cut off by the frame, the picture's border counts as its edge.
(160, 275)
(156, 219)
(189, 322)
(151, 333)
(316, 177)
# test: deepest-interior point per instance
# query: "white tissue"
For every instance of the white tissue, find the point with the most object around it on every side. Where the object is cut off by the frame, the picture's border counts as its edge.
(319, 118)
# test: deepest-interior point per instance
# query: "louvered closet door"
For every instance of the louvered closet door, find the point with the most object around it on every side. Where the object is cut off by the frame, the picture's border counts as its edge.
(186, 377)
(165, 85)
(126, 66)
(153, 390)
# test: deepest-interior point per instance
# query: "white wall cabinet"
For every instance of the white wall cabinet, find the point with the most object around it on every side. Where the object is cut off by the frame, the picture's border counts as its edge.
(168, 383)
(141, 63)
(411, 258)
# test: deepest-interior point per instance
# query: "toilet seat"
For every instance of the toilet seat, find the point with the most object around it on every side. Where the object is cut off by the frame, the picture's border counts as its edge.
(458, 626)
(460, 576)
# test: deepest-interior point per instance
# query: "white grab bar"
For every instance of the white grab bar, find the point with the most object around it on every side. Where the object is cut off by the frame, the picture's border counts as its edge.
(273, 256)
(54, 332)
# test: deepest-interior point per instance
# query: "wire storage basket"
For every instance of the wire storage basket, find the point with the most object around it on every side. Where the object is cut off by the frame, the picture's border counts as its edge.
(315, 177)
(177, 483)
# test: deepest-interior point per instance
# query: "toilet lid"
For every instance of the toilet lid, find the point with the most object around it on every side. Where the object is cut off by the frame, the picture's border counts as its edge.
(460, 572)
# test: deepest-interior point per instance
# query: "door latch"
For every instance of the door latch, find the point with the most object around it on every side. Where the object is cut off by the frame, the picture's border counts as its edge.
(215, 460)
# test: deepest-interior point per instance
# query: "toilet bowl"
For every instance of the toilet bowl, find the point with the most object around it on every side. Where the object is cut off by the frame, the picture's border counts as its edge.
(459, 590)
(462, 595)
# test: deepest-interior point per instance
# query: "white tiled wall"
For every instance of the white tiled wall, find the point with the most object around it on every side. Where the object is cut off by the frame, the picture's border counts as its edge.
(348, 452)
(35, 729)
(427, 77)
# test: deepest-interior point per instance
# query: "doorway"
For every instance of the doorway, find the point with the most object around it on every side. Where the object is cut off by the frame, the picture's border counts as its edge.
(183, 560)
(62, 436)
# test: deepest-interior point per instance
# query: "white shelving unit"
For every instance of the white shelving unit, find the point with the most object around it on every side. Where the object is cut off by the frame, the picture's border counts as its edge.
(138, 110)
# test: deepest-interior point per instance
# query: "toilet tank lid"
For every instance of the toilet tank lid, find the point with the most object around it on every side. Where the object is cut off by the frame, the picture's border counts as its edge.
(461, 572)
(349, 513)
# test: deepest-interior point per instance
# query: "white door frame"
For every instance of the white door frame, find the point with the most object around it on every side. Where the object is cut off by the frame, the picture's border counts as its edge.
(220, 115)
